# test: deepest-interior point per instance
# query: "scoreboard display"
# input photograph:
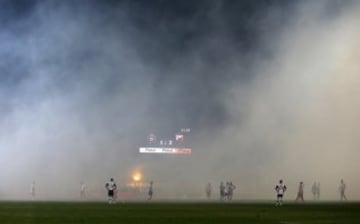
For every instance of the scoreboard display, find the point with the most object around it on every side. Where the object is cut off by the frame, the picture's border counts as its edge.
(169, 143)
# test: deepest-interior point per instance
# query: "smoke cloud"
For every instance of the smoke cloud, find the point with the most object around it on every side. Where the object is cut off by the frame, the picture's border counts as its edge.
(269, 93)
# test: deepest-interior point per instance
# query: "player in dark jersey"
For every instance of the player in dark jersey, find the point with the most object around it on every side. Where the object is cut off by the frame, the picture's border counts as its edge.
(300, 194)
(150, 192)
(342, 189)
(222, 191)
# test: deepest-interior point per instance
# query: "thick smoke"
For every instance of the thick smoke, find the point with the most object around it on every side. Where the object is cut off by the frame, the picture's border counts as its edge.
(270, 93)
(298, 116)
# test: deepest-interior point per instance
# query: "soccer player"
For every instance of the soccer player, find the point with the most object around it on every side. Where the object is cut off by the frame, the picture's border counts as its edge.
(280, 190)
(230, 190)
(300, 194)
(82, 190)
(342, 188)
(208, 190)
(32, 190)
(222, 191)
(150, 192)
(318, 191)
(314, 190)
(111, 187)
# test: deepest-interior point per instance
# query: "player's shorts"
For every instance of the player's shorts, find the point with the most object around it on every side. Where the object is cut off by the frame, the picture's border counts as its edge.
(110, 193)
(279, 195)
(150, 193)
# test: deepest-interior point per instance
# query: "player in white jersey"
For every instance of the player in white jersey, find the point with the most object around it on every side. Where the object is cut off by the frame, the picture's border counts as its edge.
(82, 190)
(300, 194)
(280, 190)
(342, 188)
(314, 190)
(111, 188)
(230, 190)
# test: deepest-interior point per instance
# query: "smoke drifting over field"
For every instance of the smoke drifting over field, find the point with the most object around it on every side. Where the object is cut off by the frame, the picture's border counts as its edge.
(269, 90)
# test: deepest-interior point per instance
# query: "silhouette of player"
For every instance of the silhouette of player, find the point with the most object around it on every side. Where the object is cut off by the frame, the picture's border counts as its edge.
(318, 191)
(222, 191)
(300, 194)
(208, 190)
(32, 190)
(151, 190)
(342, 189)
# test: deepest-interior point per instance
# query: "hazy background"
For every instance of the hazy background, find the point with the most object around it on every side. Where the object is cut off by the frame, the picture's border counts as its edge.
(270, 90)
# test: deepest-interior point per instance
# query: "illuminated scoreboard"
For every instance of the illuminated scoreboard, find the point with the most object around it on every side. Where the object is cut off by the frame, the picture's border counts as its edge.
(160, 150)
(176, 143)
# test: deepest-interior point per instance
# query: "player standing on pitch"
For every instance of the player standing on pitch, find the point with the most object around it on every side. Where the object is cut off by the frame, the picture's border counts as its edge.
(32, 190)
(342, 188)
(208, 190)
(300, 194)
(314, 191)
(280, 190)
(222, 191)
(150, 192)
(111, 187)
(318, 191)
(82, 190)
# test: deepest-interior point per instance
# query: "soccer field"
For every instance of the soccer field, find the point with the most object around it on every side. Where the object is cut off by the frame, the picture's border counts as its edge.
(160, 212)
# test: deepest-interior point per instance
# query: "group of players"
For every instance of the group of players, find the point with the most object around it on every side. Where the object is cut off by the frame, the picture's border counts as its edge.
(111, 188)
(280, 189)
(226, 191)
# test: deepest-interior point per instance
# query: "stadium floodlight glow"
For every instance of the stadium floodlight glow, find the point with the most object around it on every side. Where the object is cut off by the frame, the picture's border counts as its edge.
(161, 150)
(136, 176)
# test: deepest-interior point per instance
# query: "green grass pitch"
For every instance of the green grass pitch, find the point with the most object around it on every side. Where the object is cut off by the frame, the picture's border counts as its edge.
(167, 212)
